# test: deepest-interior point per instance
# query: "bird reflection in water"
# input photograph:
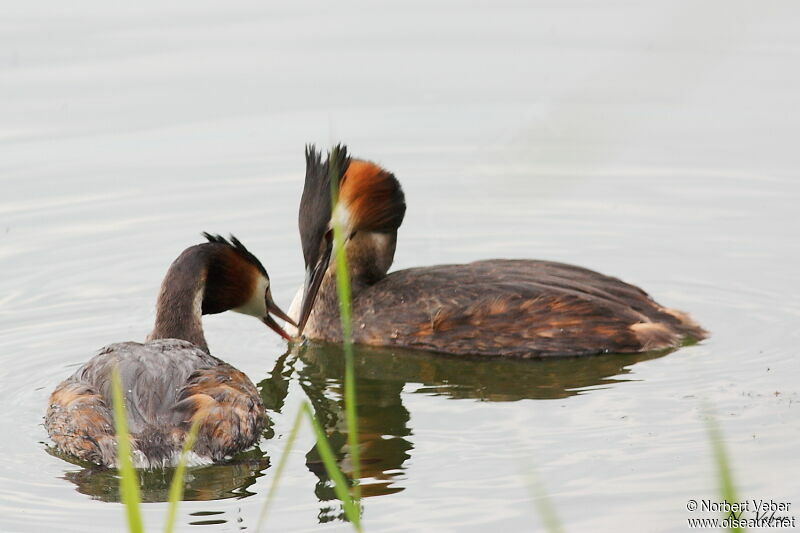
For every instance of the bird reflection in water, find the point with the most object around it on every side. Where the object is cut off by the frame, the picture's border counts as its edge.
(219, 481)
(383, 377)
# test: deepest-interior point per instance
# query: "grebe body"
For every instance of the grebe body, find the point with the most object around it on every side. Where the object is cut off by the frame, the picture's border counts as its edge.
(171, 378)
(512, 308)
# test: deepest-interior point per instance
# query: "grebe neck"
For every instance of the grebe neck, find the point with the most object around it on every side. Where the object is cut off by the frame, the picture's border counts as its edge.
(179, 309)
(369, 257)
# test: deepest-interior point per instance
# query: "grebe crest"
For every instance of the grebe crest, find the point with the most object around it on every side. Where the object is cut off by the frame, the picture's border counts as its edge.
(371, 207)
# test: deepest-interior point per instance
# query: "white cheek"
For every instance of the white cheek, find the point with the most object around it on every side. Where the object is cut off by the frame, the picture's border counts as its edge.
(341, 215)
(256, 306)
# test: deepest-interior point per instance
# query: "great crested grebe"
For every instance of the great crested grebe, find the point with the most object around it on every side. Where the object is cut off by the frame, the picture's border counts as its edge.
(498, 307)
(172, 378)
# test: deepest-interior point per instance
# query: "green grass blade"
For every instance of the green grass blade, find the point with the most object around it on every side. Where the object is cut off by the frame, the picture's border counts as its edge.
(129, 480)
(351, 507)
(343, 292)
(279, 469)
(176, 485)
(342, 278)
(724, 472)
(543, 505)
(352, 421)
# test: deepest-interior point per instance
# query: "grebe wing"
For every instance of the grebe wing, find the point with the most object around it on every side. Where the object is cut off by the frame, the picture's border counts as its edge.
(79, 421)
(231, 407)
(520, 308)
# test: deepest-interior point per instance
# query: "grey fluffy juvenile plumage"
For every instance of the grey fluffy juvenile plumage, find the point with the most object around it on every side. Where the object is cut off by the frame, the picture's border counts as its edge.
(165, 382)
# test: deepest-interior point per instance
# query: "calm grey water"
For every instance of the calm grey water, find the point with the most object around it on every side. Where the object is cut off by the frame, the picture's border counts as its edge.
(653, 141)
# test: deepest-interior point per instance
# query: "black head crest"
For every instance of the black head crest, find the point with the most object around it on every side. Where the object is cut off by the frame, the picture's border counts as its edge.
(238, 247)
(315, 204)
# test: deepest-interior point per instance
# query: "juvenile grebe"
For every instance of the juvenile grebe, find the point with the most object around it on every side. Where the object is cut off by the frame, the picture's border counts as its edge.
(171, 377)
(498, 307)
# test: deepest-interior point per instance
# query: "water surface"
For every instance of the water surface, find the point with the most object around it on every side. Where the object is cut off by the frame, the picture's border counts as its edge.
(655, 142)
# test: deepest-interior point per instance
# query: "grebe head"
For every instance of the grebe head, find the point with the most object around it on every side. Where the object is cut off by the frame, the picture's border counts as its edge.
(370, 200)
(236, 280)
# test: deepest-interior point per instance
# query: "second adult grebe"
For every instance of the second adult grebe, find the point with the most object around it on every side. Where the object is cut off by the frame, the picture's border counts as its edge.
(172, 378)
(517, 308)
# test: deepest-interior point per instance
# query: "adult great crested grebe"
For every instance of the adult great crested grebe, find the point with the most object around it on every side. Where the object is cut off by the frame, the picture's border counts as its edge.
(515, 308)
(172, 378)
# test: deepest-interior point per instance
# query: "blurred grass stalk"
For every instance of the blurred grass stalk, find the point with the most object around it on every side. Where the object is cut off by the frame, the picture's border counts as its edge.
(129, 479)
(727, 491)
(545, 508)
(350, 502)
(176, 485)
(351, 507)
(343, 292)
(279, 469)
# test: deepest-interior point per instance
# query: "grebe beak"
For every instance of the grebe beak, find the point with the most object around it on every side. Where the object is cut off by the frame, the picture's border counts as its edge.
(313, 281)
(273, 308)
